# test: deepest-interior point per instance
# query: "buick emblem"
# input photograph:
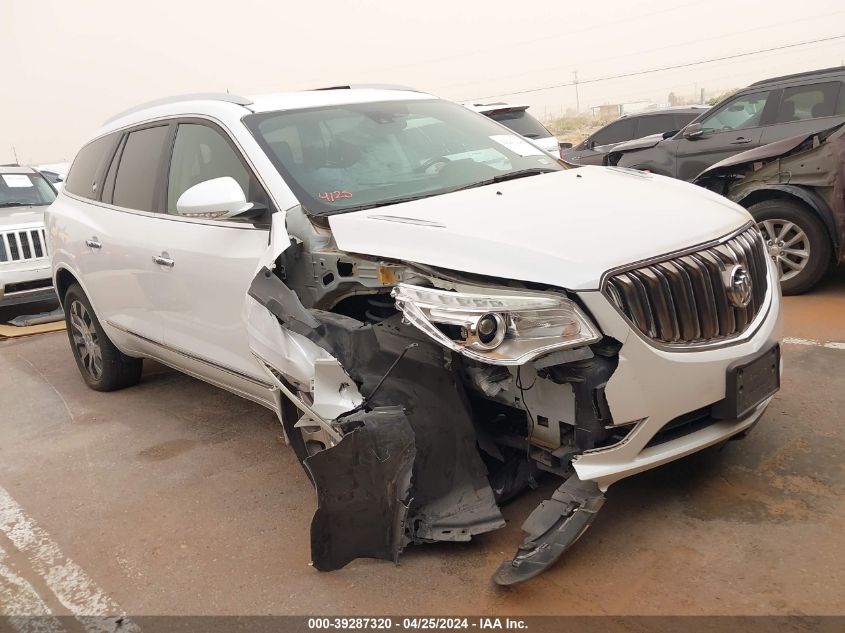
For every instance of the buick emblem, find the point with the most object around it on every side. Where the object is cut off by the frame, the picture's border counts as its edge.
(738, 286)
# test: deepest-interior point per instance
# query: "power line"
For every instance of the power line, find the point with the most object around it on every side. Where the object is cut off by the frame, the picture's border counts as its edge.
(566, 36)
(629, 54)
(662, 68)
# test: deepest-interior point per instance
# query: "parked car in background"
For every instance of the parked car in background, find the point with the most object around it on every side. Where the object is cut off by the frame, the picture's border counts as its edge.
(764, 112)
(437, 310)
(25, 274)
(55, 173)
(516, 118)
(593, 149)
(794, 190)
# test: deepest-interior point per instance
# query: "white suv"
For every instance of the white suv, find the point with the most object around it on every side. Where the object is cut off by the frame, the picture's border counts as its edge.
(517, 119)
(25, 274)
(438, 312)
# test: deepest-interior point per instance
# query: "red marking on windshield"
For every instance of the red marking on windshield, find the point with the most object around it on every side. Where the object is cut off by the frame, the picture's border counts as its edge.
(331, 196)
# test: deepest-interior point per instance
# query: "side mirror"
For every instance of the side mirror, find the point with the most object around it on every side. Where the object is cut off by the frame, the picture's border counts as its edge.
(563, 145)
(218, 198)
(693, 131)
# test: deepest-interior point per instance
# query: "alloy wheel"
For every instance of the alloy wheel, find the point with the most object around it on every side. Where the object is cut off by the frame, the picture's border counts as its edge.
(86, 340)
(788, 246)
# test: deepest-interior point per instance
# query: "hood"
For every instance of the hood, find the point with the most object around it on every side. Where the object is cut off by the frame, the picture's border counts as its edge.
(772, 150)
(639, 143)
(11, 217)
(563, 229)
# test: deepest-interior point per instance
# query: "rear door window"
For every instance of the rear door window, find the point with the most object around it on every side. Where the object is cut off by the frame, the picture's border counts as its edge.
(655, 124)
(136, 182)
(812, 101)
(616, 132)
(86, 173)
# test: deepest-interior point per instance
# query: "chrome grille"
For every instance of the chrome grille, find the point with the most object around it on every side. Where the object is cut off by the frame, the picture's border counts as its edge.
(685, 300)
(20, 245)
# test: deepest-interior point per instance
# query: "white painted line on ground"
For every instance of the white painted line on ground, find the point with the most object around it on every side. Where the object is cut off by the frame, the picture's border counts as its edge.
(813, 343)
(19, 601)
(67, 580)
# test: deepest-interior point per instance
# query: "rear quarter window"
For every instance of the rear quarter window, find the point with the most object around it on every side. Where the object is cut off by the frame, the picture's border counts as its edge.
(522, 123)
(88, 170)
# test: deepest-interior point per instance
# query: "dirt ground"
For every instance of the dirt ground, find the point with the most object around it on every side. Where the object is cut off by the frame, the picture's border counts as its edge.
(174, 497)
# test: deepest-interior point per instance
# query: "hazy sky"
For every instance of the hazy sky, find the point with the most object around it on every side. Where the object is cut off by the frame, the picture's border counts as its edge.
(69, 65)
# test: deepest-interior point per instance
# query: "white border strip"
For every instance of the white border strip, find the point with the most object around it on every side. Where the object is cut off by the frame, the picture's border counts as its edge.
(67, 580)
(813, 343)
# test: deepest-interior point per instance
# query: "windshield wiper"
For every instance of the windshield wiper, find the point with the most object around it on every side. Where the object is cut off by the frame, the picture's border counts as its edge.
(522, 173)
(384, 203)
(16, 204)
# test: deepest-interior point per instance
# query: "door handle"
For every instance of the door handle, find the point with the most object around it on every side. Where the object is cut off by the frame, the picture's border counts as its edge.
(741, 141)
(163, 260)
(93, 243)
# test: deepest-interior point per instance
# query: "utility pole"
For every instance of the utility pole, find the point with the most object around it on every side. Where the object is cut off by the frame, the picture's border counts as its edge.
(577, 98)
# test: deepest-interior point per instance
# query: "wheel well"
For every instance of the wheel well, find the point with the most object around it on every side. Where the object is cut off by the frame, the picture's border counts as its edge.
(64, 280)
(761, 195)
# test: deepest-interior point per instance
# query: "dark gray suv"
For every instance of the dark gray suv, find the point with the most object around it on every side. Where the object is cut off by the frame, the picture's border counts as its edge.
(593, 149)
(764, 112)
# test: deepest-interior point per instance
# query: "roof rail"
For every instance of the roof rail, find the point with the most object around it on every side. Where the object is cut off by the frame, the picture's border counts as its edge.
(369, 87)
(199, 96)
(809, 73)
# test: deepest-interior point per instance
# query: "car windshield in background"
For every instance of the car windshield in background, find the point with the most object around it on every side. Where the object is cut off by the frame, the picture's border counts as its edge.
(520, 122)
(21, 190)
(355, 156)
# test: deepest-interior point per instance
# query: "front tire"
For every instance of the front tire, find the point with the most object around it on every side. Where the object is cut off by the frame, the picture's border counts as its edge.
(797, 242)
(102, 365)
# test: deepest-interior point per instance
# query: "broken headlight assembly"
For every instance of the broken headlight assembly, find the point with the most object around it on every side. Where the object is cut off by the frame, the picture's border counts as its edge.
(501, 329)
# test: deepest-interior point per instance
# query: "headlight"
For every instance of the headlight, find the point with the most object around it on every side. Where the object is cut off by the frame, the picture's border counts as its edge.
(502, 329)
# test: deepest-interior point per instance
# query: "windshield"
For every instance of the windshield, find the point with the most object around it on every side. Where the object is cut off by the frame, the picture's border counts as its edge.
(354, 156)
(21, 190)
(520, 122)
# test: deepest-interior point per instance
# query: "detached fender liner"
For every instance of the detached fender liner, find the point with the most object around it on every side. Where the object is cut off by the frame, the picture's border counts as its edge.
(363, 486)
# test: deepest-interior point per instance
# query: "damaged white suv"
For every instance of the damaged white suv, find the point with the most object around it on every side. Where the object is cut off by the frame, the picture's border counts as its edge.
(437, 311)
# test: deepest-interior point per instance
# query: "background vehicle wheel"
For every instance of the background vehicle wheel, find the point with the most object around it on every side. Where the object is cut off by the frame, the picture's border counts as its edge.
(102, 365)
(797, 241)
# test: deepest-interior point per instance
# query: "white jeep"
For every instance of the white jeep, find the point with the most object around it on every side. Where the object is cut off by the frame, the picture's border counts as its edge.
(24, 261)
(438, 311)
